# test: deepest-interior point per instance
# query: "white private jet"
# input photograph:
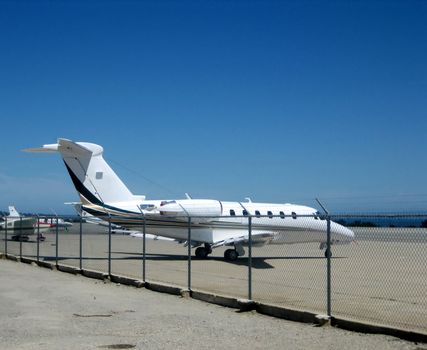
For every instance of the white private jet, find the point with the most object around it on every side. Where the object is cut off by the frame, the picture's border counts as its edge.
(214, 223)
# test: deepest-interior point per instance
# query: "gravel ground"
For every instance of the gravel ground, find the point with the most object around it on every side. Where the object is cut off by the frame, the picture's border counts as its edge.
(44, 309)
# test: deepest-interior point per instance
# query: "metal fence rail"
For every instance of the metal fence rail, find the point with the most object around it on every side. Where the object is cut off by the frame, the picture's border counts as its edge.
(380, 278)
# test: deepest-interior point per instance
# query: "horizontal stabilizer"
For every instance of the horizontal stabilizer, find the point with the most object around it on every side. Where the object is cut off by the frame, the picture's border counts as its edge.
(52, 148)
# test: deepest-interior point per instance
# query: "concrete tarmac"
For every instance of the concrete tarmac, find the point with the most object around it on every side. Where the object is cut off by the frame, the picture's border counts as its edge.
(381, 279)
(45, 309)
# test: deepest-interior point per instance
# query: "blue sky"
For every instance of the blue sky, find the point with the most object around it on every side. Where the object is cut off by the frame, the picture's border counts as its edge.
(281, 101)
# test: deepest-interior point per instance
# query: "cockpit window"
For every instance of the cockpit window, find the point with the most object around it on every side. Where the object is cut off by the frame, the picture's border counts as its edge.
(320, 216)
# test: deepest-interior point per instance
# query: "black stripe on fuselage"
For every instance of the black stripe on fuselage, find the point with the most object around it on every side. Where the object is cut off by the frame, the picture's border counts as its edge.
(134, 222)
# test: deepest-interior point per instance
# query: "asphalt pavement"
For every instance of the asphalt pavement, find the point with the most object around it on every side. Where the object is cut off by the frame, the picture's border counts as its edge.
(47, 309)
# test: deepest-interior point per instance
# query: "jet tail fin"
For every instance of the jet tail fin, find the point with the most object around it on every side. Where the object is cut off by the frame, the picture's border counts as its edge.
(13, 213)
(92, 177)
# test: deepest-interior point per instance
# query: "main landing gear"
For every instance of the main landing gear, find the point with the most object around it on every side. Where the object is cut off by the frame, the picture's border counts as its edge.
(233, 254)
(22, 238)
(203, 252)
(229, 254)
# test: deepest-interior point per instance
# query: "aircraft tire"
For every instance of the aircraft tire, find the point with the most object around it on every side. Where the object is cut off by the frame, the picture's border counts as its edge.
(202, 252)
(208, 248)
(231, 255)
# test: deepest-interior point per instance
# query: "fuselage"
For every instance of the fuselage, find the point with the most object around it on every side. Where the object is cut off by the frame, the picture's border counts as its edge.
(18, 225)
(54, 222)
(214, 221)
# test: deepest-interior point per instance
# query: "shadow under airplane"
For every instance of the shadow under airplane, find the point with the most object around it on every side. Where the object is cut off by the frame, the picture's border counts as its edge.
(257, 262)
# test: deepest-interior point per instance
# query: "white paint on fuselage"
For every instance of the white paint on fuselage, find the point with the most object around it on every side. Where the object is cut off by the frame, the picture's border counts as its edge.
(287, 223)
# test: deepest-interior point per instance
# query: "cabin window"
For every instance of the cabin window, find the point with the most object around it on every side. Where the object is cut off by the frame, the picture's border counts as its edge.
(245, 212)
(270, 214)
(282, 214)
(257, 213)
(294, 215)
(146, 206)
(232, 212)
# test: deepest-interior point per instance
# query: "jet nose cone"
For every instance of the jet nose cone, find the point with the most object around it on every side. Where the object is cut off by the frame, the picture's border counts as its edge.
(348, 233)
(342, 233)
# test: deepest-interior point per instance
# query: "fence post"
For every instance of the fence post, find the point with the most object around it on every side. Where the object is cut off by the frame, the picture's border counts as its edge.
(328, 254)
(328, 268)
(5, 236)
(81, 242)
(143, 248)
(250, 258)
(57, 239)
(38, 238)
(20, 237)
(109, 244)
(189, 253)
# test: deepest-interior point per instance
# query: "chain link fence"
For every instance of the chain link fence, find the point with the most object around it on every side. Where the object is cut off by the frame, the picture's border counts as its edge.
(380, 278)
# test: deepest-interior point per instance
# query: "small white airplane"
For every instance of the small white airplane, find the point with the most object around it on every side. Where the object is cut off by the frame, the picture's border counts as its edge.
(20, 226)
(214, 223)
(52, 222)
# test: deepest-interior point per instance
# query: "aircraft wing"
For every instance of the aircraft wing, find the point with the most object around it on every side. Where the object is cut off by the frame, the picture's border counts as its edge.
(257, 239)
